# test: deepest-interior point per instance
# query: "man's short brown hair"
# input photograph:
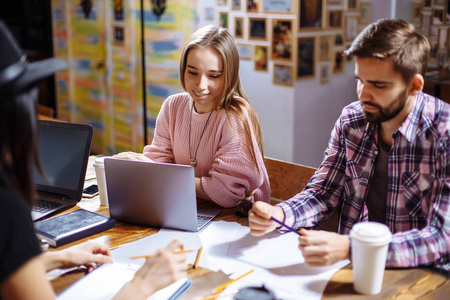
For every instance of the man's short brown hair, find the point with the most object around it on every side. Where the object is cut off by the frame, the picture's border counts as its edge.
(397, 40)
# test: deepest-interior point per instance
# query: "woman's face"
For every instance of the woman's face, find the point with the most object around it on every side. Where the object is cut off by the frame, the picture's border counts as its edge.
(204, 78)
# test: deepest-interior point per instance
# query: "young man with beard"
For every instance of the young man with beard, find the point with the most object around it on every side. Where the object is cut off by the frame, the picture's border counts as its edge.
(388, 160)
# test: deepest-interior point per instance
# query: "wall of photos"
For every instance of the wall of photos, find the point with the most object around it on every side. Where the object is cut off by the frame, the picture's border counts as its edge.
(433, 18)
(303, 39)
(287, 104)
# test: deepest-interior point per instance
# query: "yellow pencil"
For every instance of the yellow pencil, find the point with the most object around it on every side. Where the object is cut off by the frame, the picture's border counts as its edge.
(219, 295)
(198, 257)
(148, 255)
(223, 286)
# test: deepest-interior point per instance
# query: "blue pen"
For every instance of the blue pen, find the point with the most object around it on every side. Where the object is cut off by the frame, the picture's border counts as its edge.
(284, 225)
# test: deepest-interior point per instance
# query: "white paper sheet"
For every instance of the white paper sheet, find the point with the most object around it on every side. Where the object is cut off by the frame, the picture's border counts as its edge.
(275, 258)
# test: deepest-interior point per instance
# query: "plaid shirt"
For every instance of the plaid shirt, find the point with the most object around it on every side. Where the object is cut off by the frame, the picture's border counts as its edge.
(418, 204)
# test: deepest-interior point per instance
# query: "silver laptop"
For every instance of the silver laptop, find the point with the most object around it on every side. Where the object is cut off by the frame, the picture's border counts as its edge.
(155, 194)
(64, 150)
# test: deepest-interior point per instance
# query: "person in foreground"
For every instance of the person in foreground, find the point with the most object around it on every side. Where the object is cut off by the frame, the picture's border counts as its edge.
(388, 160)
(23, 267)
(212, 126)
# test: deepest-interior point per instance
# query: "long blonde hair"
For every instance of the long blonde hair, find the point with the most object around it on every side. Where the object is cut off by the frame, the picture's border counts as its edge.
(233, 97)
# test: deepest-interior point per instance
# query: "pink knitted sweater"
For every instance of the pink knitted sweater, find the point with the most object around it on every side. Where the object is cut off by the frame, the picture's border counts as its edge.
(223, 164)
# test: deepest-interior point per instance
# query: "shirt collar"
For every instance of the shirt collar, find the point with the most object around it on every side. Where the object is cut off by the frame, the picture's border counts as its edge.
(410, 127)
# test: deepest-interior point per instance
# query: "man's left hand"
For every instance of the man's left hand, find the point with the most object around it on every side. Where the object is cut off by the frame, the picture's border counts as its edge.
(323, 248)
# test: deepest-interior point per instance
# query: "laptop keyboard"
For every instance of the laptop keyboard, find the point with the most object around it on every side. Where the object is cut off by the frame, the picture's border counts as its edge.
(201, 220)
(45, 205)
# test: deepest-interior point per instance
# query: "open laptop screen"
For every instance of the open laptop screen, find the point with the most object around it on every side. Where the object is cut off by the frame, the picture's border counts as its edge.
(64, 150)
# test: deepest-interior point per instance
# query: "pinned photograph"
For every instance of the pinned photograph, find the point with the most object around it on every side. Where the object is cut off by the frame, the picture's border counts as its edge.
(239, 28)
(257, 29)
(282, 40)
(311, 14)
(282, 75)
(261, 58)
(305, 61)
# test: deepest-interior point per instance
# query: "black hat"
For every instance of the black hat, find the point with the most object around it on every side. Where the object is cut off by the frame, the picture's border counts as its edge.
(16, 75)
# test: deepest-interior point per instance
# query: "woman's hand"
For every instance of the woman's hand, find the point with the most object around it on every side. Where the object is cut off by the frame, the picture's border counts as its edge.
(89, 254)
(132, 156)
(163, 268)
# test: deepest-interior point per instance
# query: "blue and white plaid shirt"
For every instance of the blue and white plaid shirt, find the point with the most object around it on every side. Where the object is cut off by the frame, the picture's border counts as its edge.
(418, 198)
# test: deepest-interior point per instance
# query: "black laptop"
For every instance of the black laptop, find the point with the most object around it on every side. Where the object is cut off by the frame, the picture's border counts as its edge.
(64, 150)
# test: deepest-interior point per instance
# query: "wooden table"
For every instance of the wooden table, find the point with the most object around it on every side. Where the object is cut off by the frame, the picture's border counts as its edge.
(415, 283)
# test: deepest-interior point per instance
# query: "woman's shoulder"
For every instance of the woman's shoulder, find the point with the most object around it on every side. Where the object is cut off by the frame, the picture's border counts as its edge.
(17, 232)
(175, 102)
(231, 120)
(238, 114)
(10, 200)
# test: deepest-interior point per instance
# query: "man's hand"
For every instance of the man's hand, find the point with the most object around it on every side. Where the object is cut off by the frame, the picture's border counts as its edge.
(323, 248)
(259, 218)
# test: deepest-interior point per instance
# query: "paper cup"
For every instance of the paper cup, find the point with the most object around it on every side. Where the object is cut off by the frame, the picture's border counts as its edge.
(99, 166)
(370, 242)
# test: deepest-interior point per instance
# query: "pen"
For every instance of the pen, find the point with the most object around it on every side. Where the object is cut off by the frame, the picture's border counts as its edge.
(198, 257)
(148, 255)
(284, 225)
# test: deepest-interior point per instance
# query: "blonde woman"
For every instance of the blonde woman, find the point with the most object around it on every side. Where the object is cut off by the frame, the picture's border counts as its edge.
(212, 126)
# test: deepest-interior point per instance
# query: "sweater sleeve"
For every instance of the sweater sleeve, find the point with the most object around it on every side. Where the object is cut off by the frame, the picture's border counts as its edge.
(233, 174)
(161, 148)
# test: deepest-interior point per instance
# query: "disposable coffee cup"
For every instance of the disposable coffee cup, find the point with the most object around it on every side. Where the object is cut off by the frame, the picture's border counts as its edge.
(370, 242)
(99, 166)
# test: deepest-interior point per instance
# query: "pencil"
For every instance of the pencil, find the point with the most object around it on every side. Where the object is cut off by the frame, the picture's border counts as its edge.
(148, 255)
(223, 286)
(198, 257)
(284, 225)
(214, 296)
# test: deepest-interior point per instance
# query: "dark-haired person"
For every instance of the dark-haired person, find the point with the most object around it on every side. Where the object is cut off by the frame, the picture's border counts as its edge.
(23, 267)
(388, 160)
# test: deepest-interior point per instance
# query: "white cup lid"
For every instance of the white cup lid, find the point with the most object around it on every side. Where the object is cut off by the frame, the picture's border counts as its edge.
(100, 161)
(371, 232)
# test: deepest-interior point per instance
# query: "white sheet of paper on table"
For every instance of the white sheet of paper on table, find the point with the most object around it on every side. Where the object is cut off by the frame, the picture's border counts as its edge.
(276, 259)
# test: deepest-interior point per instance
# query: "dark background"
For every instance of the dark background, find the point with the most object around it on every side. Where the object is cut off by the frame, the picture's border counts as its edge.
(31, 23)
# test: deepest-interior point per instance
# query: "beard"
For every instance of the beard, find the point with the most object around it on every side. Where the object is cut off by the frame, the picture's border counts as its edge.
(387, 113)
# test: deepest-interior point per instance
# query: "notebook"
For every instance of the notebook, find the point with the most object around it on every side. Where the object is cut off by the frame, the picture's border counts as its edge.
(64, 150)
(155, 194)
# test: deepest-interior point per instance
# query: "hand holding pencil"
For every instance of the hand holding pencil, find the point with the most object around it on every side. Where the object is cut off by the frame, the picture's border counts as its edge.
(162, 268)
(260, 218)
